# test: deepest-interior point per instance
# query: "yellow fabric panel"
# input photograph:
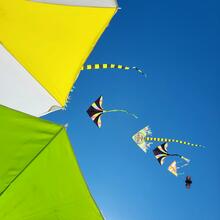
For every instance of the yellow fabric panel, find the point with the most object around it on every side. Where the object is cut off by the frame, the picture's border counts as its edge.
(97, 66)
(119, 66)
(51, 41)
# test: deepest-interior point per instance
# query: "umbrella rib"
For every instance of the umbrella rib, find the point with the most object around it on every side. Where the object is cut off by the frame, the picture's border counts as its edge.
(61, 129)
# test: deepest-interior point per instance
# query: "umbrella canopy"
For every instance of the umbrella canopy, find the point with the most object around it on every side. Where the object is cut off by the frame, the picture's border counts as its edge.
(43, 46)
(39, 175)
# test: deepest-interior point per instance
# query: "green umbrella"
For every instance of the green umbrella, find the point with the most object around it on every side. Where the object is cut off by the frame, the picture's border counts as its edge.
(39, 175)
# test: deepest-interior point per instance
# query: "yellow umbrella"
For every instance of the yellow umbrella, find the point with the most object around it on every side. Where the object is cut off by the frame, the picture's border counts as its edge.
(43, 46)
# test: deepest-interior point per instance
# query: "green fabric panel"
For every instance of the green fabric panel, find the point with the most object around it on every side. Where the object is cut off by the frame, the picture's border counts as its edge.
(22, 137)
(50, 188)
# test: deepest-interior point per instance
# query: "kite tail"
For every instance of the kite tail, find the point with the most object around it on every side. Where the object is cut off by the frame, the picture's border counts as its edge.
(172, 140)
(184, 165)
(120, 110)
(182, 157)
(110, 66)
(186, 159)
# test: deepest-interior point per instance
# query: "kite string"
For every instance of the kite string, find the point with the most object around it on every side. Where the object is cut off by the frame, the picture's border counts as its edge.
(120, 110)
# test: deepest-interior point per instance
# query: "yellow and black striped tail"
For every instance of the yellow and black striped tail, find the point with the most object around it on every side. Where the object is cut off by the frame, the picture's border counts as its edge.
(110, 66)
(167, 140)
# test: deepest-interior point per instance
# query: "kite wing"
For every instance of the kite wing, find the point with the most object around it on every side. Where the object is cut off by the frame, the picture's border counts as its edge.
(173, 169)
(161, 153)
(40, 177)
(139, 138)
(95, 111)
(42, 58)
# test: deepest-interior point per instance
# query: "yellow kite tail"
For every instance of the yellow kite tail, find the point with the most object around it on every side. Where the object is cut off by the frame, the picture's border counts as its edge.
(172, 140)
(110, 66)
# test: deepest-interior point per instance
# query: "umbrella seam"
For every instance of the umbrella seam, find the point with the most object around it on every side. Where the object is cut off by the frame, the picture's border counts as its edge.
(38, 81)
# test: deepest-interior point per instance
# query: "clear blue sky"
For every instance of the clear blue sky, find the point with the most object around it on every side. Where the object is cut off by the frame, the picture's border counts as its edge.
(177, 44)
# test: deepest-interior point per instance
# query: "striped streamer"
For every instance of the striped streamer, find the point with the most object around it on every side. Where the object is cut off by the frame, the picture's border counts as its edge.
(110, 66)
(172, 140)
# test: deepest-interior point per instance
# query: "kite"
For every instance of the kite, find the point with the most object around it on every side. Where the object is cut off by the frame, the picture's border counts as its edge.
(95, 111)
(139, 138)
(43, 46)
(173, 168)
(188, 182)
(39, 174)
(161, 154)
(150, 140)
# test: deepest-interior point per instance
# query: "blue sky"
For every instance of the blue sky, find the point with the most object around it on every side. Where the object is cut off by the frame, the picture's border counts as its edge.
(177, 44)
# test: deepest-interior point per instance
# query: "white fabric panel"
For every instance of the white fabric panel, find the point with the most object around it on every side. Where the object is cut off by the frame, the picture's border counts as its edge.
(20, 91)
(94, 3)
